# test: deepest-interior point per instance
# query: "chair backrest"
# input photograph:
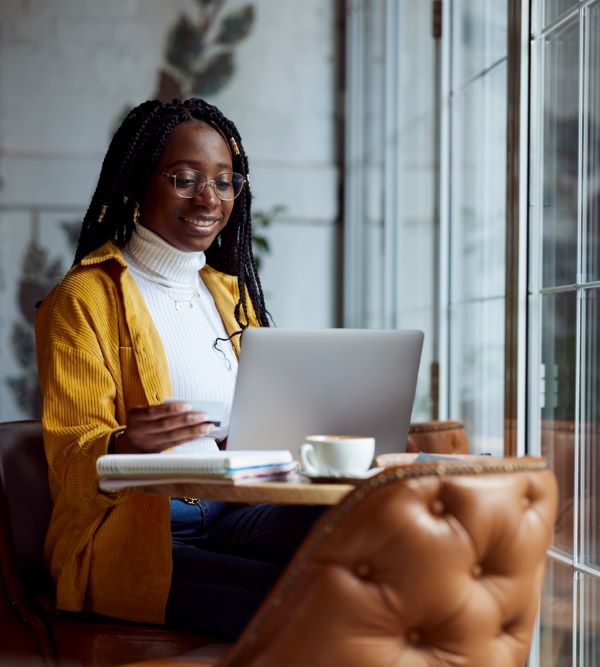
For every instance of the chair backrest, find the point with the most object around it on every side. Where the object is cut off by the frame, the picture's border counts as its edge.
(25, 497)
(438, 437)
(423, 564)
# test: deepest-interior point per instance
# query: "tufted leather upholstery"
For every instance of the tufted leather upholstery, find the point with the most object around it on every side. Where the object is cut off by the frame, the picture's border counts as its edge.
(425, 565)
(437, 437)
(32, 631)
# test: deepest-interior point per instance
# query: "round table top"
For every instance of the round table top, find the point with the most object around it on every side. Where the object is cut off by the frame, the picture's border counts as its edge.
(297, 492)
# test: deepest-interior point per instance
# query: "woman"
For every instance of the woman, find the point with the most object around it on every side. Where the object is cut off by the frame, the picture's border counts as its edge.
(162, 285)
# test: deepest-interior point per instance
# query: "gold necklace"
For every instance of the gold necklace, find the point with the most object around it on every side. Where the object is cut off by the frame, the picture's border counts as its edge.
(178, 302)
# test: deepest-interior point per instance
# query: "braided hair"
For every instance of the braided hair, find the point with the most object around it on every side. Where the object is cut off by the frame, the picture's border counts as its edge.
(130, 161)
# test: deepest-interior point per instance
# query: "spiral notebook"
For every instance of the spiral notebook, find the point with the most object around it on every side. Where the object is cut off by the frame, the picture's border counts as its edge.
(116, 471)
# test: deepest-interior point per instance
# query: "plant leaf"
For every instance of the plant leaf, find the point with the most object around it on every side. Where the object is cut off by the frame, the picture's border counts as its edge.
(236, 26)
(214, 75)
(262, 243)
(23, 345)
(168, 87)
(184, 45)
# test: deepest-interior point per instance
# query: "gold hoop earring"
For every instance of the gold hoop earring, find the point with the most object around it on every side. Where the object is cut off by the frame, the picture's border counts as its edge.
(136, 214)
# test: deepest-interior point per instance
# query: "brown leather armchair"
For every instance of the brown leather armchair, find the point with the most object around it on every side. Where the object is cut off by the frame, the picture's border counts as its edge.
(32, 631)
(423, 560)
(425, 564)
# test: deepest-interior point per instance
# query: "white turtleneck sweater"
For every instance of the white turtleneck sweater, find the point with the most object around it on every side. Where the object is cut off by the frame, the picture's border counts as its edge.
(188, 323)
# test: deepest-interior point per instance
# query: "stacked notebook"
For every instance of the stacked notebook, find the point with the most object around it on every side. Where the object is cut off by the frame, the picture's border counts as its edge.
(117, 471)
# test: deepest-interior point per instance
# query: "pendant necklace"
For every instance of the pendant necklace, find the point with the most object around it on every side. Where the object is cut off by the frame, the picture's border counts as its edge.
(179, 302)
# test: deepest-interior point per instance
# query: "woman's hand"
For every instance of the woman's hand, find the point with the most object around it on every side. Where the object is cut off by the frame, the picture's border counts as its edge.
(157, 427)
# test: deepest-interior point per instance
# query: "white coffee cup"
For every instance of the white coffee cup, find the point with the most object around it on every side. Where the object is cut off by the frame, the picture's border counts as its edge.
(337, 455)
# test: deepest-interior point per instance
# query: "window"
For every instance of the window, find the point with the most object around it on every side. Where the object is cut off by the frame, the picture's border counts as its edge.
(441, 166)
(391, 278)
(564, 293)
(425, 196)
(475, 208)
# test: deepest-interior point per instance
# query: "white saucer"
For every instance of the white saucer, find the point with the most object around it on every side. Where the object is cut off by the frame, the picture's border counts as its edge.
(339, 479)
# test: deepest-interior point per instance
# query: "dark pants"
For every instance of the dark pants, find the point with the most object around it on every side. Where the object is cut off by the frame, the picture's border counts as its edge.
(226, 559)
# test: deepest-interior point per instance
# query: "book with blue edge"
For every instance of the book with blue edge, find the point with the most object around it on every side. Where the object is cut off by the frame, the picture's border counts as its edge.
(117, 471)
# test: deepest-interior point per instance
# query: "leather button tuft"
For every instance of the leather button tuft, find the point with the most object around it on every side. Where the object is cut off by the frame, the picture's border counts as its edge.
(526, 502)
(413, 636)
(476, 571)
(437, 507)
(363, 570)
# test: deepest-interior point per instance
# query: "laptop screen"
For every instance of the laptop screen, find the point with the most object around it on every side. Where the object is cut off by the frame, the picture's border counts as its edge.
(294, 383)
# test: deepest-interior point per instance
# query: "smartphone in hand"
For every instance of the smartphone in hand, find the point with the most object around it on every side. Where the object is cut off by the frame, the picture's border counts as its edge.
(214, 410)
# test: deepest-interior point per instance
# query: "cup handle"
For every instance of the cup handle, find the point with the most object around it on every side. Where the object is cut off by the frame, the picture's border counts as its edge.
(307, 454)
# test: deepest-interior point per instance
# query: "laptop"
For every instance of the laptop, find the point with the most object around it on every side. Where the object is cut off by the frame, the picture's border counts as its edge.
(294, 383)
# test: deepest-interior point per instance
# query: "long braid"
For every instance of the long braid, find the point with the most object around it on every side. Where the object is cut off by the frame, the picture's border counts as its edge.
(129, 162)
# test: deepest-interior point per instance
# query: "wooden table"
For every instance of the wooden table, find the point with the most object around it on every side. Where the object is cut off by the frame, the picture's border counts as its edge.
(297, 492)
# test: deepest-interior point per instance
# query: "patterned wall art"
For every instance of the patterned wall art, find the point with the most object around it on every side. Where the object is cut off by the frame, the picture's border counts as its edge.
(37, 245)
(41, 249)
(199, 55)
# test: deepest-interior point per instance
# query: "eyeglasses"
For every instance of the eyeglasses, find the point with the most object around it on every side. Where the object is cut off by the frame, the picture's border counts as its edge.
(189, 183)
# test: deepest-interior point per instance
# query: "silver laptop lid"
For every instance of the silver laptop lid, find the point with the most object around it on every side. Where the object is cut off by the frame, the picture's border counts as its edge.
(293, 383)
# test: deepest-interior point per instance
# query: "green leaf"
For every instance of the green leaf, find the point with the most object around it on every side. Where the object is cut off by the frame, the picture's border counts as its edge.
(23, 345)
(214, 75)
(262, 243)
(184, 45)
(71, 230)
(236, 26)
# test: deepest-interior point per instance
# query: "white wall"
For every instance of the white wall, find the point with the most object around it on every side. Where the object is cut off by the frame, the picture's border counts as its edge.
(68, 67)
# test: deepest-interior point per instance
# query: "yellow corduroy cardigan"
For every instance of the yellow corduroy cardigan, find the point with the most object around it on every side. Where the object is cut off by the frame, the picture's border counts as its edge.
(99, 354)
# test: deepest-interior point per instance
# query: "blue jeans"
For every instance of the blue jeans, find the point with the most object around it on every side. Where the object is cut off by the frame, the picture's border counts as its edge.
(226, 558)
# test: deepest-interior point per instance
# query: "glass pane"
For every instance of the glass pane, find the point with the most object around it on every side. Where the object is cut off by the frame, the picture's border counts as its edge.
(373, 306)
(561, 155)
(592, 122)
(555, 8)
(477, 378)
(416, 64)
(421, 319)
(558, 375)
(590, 589)
(416, 267)
(590, 495)
(556, 616)
(478, 186)
(373, 257)
(479, 37)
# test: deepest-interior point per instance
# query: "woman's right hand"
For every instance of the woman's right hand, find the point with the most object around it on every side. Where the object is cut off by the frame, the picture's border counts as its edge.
(151, 429)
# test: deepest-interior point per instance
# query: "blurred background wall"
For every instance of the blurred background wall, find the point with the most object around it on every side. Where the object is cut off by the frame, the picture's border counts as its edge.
(70, 69)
